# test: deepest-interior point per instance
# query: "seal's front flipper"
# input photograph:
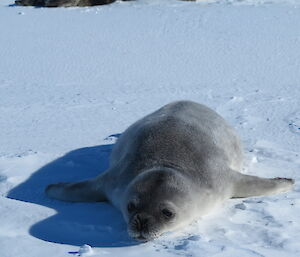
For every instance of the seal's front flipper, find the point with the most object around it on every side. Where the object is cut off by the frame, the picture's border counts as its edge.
(246, 186)
(84, 191)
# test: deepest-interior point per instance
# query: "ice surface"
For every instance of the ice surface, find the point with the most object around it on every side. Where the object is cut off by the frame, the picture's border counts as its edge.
(71, 77)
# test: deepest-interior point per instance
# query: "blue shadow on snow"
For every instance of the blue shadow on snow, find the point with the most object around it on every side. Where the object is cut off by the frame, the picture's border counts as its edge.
(96, 224)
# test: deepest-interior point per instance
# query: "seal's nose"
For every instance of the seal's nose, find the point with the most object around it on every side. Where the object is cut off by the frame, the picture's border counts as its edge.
(141, 221)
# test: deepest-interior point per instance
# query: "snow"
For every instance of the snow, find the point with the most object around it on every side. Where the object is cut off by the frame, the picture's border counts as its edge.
(85, 250)
(72, 79)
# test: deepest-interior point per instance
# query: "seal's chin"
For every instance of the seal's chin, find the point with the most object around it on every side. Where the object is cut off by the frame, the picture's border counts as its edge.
(142, 235)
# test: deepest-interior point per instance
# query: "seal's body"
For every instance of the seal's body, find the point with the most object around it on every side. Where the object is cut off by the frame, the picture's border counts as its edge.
(63, 3)
(169, 168)
(66, 3)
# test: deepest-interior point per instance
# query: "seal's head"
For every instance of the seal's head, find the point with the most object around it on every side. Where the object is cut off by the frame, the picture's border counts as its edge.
(157, 201)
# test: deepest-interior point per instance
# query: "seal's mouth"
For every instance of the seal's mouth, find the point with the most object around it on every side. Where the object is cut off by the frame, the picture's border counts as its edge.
(141, 238)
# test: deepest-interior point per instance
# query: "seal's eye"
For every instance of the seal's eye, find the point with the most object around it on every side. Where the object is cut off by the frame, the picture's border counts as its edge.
(167, 213)
(131, 207)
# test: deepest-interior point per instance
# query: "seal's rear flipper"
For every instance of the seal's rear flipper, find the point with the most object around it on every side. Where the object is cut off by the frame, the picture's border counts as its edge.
(246, 186)
(84, 191)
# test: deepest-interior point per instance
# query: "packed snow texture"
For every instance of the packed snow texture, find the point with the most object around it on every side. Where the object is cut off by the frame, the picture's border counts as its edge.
(72, 79)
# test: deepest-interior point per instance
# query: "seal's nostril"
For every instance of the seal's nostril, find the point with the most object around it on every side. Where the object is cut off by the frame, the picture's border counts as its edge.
(137, 223)
(144, 223)
(138, 217)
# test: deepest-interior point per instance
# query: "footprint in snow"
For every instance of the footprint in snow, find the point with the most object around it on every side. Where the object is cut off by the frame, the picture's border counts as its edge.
(294, 123)
(241, 206)
(2, 178)
(295, 127)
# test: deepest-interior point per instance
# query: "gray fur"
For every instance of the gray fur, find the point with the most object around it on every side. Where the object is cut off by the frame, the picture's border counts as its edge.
(183, 159)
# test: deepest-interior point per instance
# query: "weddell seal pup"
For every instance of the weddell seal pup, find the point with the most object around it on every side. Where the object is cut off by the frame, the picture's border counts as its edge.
(170, 168)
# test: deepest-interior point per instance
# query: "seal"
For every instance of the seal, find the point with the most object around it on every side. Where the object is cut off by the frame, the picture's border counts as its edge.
(170, 168)
(66, 3)
(63, 3)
